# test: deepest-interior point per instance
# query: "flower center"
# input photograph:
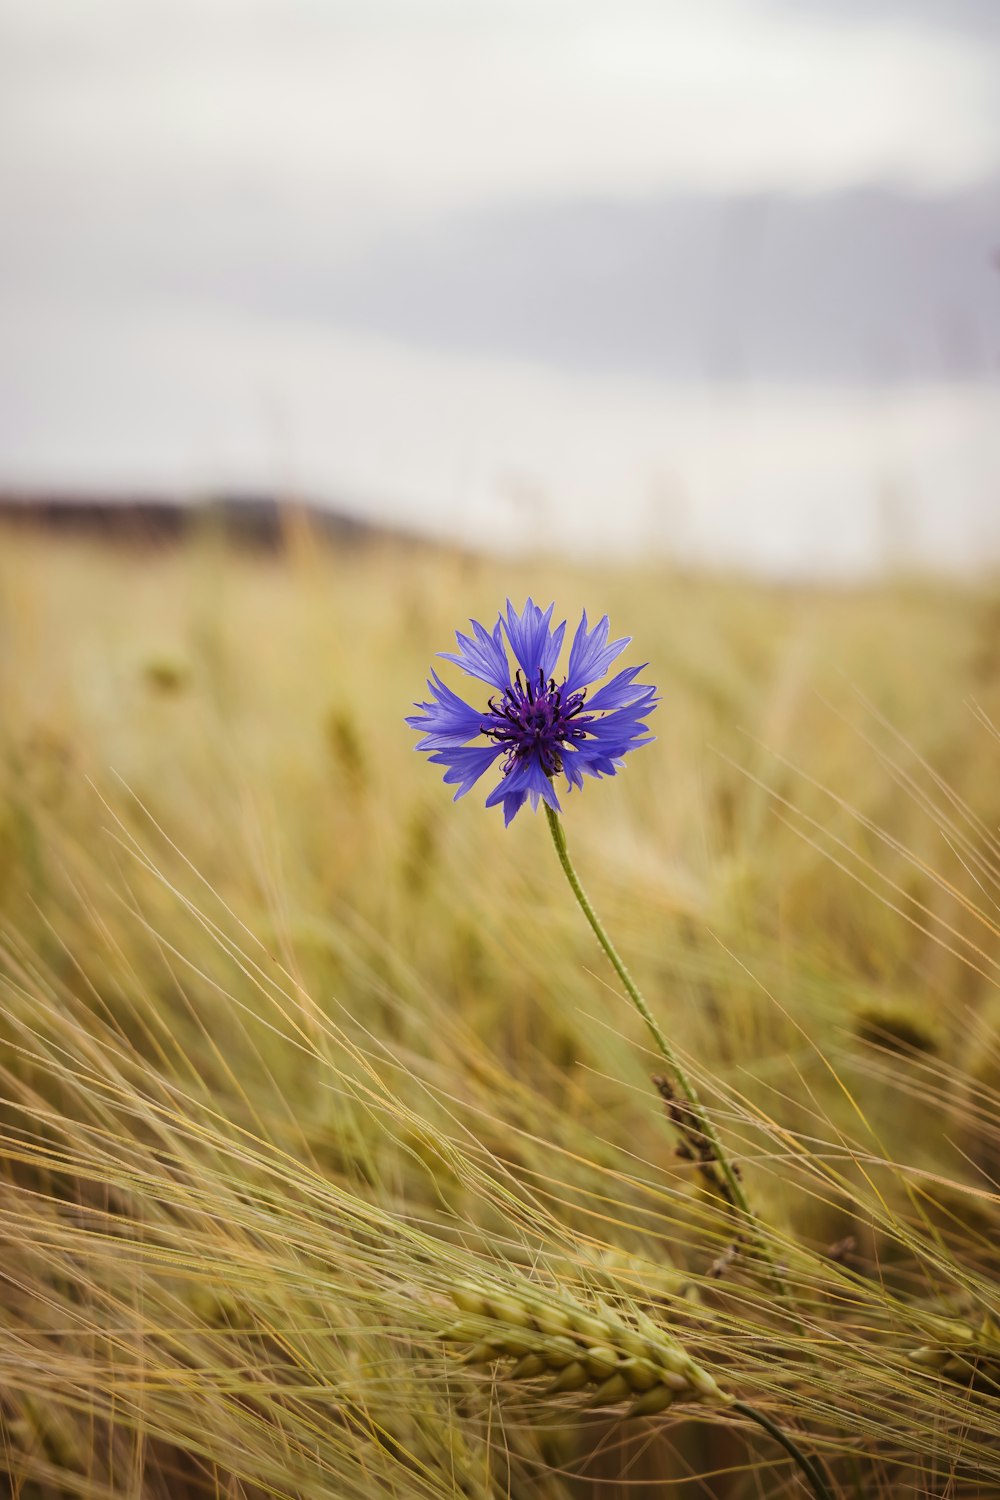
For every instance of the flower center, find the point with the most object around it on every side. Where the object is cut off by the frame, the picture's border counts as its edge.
(534, 718)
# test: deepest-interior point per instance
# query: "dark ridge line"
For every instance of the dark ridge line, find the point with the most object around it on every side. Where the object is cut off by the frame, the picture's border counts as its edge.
(267, 522)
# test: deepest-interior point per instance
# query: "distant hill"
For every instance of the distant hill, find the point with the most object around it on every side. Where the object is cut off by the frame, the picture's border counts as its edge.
(260, 521)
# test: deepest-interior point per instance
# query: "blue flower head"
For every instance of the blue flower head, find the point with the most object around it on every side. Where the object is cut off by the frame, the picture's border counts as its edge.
(537, 728)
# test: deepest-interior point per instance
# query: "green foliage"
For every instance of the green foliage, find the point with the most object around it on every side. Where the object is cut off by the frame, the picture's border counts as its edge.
(292, 1048)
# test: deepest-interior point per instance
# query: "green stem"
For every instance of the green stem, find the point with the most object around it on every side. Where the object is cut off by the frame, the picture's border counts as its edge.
(737, 1196)
(811, 1468)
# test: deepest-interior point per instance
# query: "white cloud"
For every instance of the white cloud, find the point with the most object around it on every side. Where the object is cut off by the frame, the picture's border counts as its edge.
(430, 103)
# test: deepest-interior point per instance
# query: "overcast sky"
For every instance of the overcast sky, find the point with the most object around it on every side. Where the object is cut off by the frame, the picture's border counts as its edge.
(413, 103)
(320, 126)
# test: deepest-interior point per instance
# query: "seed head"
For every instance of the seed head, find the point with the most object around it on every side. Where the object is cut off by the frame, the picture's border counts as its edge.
(549, 1333)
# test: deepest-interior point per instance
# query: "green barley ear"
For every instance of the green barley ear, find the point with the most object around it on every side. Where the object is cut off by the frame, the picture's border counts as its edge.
(595, 1350)
(549, 1333)
(963, 1351)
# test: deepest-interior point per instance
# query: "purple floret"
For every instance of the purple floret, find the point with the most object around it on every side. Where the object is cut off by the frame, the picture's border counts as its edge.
(540, 727)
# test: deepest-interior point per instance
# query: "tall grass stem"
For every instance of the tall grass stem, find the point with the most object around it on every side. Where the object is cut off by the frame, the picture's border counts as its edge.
(737, 1196)
(811, 1468)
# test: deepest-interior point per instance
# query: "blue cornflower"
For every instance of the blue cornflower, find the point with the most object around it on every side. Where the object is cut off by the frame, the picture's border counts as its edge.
(536, 728)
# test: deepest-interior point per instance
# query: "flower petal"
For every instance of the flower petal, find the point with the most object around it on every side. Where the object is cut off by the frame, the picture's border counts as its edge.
(590, 655)
(594, 760)
(620, 690)
(483, 657)
(528, 779)
(617, 733)
(532, 640)
(466, 763)
(448, 720)
(512, 806)
(571, 766)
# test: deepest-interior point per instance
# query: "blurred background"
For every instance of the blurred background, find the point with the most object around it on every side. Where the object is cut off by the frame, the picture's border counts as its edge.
(719, 282)
(687, 312)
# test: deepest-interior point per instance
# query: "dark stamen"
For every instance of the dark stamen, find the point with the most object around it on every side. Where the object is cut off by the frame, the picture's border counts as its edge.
(532, 719)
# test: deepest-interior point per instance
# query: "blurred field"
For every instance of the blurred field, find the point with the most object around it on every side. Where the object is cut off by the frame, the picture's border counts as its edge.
(291, 1042)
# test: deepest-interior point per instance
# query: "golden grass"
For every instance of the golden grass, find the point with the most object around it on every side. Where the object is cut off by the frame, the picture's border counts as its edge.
(291, 1045)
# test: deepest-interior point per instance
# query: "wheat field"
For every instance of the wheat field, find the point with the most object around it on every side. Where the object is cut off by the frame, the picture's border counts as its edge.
(331, 1164)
